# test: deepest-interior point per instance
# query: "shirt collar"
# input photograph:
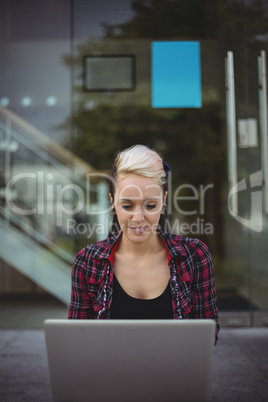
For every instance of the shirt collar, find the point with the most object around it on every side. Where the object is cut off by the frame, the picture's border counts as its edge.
(172, 244)
(107, 247)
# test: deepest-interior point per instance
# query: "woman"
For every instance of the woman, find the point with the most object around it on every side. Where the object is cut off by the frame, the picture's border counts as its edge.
(140, 272)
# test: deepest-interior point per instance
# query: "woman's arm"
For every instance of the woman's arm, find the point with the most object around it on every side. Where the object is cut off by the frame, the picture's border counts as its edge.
(80, 306)
(206, 305)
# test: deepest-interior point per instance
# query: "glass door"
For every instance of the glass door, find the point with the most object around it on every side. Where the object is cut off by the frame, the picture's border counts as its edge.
(247, 159)
(126, 90)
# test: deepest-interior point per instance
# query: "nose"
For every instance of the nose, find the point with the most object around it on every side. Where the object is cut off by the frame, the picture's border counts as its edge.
(138, 216)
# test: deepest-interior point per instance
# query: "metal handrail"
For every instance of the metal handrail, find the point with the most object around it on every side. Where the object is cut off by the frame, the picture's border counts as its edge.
(11, 134)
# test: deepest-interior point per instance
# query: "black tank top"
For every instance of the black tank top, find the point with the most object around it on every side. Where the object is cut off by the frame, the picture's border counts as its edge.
(127, 307)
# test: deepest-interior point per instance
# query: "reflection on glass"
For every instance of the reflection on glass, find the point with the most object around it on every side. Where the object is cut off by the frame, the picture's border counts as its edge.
(108, 116)
(109, 73)
(176, 74)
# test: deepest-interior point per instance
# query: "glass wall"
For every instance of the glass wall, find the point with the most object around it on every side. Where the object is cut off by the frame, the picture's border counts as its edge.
(83, 79)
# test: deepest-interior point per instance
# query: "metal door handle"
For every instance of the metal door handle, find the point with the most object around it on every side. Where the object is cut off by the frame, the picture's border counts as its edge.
(231, 129)
(263, 123)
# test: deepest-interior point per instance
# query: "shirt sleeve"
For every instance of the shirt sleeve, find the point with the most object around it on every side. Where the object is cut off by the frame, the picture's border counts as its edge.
(206, 305)
(81, 304)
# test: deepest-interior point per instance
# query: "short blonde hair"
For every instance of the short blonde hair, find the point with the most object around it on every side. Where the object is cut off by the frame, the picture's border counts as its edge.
(142, 161)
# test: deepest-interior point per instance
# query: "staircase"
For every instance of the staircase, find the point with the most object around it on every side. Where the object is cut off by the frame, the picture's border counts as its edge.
(45, 194)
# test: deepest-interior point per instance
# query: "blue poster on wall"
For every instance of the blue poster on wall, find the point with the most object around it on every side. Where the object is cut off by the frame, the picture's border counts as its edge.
(176, 75)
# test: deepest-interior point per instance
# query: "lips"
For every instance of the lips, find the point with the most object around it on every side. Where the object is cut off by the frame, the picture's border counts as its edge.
(138, 230)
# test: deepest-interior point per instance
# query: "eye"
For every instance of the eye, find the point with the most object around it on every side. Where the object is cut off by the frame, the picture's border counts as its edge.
(150, 206)
(127, 207)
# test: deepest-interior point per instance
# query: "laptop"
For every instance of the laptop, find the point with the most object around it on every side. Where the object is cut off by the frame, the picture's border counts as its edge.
(130, 360)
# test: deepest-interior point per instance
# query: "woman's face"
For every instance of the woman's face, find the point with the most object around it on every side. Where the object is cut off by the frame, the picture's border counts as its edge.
(138, 203)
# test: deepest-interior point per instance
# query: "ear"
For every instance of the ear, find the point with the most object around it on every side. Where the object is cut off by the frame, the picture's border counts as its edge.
(165, 198)
(111, 199)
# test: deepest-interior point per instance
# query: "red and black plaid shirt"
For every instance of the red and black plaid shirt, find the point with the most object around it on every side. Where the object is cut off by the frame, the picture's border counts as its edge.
(191, 279)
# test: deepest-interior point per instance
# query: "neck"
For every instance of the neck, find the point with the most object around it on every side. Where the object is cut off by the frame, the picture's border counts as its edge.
(150, 246)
